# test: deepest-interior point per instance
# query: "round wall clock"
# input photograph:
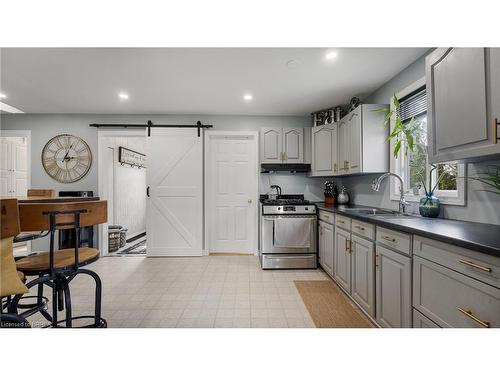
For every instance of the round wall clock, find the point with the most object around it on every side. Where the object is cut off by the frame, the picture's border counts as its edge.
(66, 158)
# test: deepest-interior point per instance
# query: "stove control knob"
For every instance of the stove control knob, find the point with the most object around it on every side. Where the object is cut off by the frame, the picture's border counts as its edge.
(306, 208)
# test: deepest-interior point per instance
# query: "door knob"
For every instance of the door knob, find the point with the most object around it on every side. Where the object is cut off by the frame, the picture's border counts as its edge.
(249, 201)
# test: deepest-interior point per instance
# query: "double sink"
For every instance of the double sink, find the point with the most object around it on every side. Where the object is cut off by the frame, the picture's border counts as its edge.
(377, 212)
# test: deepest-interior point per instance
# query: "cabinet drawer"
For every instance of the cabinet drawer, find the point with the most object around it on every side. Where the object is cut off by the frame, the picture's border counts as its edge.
(343, 222)
(453, 300)
(395, 240)
(480, 266)
(421, 321)
(326, 216)
(363, 229)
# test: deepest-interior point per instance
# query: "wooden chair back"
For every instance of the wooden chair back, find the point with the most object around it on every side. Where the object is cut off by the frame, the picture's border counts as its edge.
(9, 218)
(32, 216)
(42, 193)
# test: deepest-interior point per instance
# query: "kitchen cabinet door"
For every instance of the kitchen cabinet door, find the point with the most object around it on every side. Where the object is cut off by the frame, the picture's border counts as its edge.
(393, 289)
(342, 259)
(326, 244)
(343, 145)
(462, 88)
(271, 145)
(293, 145)
(362, 273)
(354, 140)
(324, 150)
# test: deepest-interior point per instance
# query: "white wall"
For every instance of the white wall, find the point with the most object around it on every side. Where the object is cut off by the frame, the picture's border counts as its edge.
(480, 206)
(43, 127)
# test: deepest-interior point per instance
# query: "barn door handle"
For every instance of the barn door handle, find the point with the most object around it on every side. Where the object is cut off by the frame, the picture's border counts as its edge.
(147, 191)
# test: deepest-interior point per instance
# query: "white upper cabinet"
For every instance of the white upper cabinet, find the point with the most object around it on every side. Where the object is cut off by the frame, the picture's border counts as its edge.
(361, 145)
(343, 146)
(271, 145)
(355, 141)
(282, 145)
(324, 150)
(293, 145)
(463, 93)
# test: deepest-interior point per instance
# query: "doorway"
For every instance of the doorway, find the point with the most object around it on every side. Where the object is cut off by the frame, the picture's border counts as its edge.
(15, 171)
(122, 182)
(231, 184)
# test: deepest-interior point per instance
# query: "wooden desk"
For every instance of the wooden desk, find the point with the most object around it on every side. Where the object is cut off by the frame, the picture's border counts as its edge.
(22, 200)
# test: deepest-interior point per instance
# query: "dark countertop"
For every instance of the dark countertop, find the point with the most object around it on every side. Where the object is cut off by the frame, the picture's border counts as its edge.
(484, 238)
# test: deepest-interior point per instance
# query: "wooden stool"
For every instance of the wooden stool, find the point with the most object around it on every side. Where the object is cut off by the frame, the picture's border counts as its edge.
(12, 281)
(56, 268)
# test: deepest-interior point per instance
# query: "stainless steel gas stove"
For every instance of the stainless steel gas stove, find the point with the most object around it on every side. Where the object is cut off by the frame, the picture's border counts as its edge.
(288, 233)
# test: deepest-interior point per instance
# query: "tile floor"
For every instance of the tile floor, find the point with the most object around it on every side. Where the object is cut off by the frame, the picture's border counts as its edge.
(205, 292)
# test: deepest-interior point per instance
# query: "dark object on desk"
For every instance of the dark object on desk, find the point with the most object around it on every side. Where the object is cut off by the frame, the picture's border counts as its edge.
(67, 236)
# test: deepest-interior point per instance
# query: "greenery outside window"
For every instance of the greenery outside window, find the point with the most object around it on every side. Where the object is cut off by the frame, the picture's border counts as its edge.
(414, 167)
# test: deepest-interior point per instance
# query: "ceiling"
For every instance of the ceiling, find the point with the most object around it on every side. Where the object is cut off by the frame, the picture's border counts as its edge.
(194, 80)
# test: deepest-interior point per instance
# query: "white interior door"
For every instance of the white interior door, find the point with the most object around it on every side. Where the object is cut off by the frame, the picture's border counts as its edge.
(20, 167)
(232, 189)
(174, 223)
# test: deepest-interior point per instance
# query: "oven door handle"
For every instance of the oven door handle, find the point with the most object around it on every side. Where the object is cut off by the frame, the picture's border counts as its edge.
(290, 256)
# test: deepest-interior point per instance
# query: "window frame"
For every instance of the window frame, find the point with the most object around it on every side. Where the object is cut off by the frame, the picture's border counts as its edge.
(398, 165)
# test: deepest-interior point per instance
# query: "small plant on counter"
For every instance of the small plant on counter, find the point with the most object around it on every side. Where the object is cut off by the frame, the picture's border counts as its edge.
(490, 178)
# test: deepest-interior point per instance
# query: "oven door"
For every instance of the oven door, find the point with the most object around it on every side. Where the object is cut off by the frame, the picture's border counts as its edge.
(268, 236)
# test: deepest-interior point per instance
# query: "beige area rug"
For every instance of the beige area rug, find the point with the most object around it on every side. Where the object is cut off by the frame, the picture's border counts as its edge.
(329, 307)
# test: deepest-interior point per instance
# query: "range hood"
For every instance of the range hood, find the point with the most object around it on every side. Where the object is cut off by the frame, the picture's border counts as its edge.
(292, 168)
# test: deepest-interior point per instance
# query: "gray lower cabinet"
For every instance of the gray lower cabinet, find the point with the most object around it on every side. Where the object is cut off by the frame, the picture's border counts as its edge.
(393, 288)
(342, 259)
(421, 321)
(326, 245)
(362, 273)
(451, 299)
(463, 102)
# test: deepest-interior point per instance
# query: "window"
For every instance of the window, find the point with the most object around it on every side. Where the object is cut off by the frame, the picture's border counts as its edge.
(414, 167)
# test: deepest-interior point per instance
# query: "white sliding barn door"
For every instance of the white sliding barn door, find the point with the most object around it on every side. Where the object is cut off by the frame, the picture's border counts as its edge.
(232, 193)
(174, 224)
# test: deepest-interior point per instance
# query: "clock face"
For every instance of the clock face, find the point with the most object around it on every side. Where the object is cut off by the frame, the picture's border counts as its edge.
(66, 158)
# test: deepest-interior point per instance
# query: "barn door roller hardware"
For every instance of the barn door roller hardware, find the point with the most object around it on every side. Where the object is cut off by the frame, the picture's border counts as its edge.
(150, 125)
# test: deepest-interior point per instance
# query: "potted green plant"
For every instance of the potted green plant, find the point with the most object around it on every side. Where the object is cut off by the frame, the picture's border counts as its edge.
(409, 137)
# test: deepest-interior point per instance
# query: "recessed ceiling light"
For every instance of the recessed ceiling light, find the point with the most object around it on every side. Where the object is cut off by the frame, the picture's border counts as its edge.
(2, 95)
(247, 97)
(331, 55)
(123, 96)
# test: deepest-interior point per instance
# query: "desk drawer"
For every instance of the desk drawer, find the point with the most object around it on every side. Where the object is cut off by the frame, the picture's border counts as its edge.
(326, 216)
(363, 229)
(480, 266)
(451, 299)
(343, 222)
(395, 240)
